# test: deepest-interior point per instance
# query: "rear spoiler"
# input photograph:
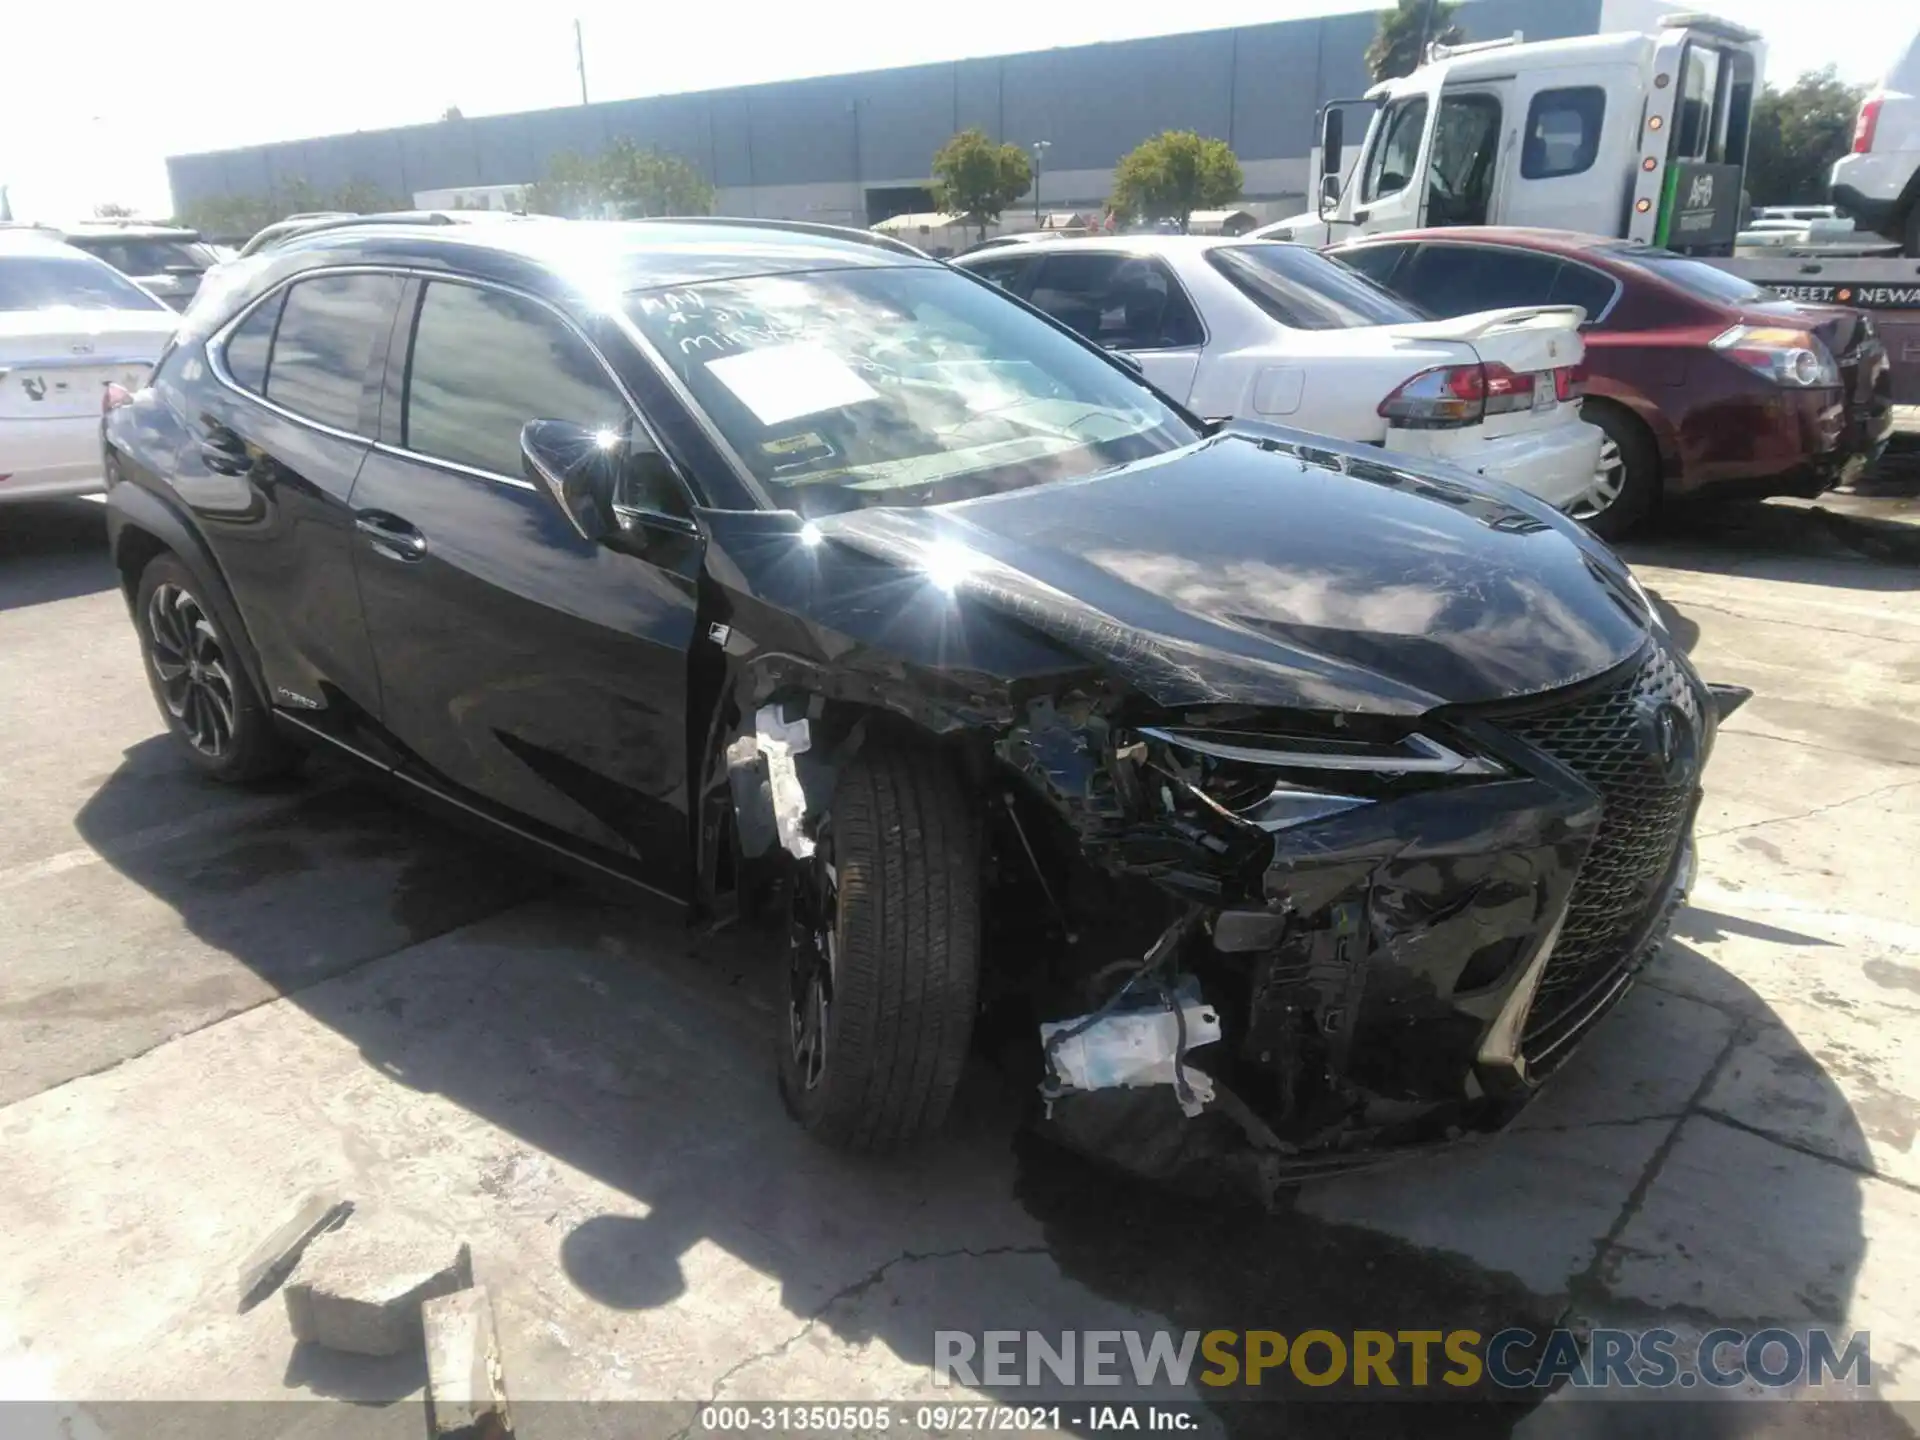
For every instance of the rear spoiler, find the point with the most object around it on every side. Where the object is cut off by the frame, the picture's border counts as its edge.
(1490, 320)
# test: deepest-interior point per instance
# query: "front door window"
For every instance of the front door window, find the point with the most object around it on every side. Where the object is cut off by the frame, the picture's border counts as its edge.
(1466, 141)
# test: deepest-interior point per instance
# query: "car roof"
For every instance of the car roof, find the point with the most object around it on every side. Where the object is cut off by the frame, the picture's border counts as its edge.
(625, 254)
(36, 240)
(114, 230)
(1163, 245)
(1565, 242)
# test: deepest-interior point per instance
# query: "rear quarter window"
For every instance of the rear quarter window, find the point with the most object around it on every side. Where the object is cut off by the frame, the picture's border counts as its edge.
(331, 328)
(1563, 132)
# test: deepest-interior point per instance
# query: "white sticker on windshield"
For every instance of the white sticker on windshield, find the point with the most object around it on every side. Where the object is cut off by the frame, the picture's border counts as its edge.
(784, 382)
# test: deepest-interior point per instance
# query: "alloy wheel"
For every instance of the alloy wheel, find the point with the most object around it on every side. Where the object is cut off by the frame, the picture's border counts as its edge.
(1609, 479)
(195, 684)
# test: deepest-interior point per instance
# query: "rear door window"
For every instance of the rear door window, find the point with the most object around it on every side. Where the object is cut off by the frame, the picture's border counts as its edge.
(1563, 132)
(331, 329)
(484, 363)
(1450, 280)
(1377, 262)
(1125, 302)
(1013, 273)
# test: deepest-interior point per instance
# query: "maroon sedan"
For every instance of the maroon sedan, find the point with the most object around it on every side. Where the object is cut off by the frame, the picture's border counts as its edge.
(1705, 385)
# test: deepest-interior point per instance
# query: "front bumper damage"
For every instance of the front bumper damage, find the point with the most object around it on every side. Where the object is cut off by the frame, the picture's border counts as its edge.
(1395, 974)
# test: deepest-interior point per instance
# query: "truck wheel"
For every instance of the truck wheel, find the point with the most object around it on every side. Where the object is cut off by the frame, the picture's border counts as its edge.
(198, 681)
(884, 955)
(1626, 486)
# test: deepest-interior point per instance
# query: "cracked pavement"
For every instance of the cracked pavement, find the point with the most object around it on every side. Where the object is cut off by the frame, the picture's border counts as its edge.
(215, 1003)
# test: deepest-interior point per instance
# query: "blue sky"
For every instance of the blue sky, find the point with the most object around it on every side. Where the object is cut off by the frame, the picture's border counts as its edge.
(91, 103)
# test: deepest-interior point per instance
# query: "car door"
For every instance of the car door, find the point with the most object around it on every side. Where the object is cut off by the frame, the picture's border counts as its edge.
(274, 441)
(1125, 302)
(523, 668)
(1390, 193)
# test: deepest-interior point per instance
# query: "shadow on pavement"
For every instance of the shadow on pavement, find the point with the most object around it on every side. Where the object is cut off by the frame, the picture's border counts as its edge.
(1838, 540)
(53, 550)
(614, 1041)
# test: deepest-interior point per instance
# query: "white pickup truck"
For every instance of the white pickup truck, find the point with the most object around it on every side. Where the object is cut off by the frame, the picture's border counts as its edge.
(1639, 135)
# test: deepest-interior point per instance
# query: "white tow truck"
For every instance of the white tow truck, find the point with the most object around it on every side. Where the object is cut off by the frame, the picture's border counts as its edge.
(1640, 135)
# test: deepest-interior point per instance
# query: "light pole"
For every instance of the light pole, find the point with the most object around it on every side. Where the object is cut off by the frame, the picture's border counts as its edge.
(1039, 148)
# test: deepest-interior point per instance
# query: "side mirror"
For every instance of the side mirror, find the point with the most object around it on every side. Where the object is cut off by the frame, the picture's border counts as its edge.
(579, 468)
(1332, 134)
(1329, 193)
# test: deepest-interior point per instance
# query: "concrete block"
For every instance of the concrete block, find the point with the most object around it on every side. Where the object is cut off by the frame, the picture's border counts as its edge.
(273, 1258)
(466, 1375)
(359, 1289)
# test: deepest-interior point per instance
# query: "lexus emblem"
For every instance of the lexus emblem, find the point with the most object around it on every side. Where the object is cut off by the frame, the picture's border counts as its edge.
(1668, 739)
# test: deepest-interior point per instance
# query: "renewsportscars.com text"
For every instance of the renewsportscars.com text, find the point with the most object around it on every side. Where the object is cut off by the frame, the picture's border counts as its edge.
(1376, 1360)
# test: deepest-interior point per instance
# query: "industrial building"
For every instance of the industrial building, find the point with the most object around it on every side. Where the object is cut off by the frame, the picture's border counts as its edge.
(858, 148)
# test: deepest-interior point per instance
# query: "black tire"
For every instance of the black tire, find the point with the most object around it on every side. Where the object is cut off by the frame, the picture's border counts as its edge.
(1629, 443)
(198, 681)
(897, 877)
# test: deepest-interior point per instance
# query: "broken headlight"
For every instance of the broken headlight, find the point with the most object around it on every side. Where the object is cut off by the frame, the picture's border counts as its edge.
(1279, 781)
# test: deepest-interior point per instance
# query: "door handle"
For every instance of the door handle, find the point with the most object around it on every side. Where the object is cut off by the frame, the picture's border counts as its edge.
(391, 536)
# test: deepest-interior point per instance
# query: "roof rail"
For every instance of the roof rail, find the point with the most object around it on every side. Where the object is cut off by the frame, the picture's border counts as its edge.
(798, 227)
(1709, 25)
(1439, 50)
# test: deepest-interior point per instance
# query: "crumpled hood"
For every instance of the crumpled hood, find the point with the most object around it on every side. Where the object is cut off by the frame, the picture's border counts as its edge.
(1265, 566)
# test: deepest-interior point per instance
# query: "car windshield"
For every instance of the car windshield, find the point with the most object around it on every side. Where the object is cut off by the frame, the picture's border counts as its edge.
(1303, 289)
(47, 282)
(898, 385)
(1695, 277)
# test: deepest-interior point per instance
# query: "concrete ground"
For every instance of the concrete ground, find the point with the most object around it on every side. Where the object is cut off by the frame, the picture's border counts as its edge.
(212, 1004)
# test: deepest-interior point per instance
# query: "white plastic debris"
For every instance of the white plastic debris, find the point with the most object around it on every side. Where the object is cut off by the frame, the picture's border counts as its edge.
(779, 742)
(1135, 1047)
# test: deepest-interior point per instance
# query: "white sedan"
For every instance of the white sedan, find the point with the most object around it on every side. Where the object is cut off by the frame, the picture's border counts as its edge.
(70, 326)
(1262, 330)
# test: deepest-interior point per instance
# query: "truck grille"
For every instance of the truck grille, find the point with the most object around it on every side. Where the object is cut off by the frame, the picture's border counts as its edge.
(1646, 806)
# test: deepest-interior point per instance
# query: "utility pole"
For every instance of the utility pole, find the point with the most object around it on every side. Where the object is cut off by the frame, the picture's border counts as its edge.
(1039, 148)
(580, 59)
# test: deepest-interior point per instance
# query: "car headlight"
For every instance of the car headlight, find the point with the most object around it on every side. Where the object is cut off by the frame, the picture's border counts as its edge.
(1792, 358)
(1276, 782)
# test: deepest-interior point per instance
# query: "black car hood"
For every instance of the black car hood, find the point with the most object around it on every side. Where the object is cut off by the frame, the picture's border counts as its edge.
(1268, 567)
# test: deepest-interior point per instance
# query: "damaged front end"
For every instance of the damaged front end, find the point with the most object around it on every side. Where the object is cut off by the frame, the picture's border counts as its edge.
(1353, 937)
(1262, 898)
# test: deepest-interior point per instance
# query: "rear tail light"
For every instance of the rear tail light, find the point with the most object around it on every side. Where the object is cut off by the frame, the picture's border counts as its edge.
(1866, 124)
(114, 397)
(1449, 397)
(1569, 382)
(1793, 358)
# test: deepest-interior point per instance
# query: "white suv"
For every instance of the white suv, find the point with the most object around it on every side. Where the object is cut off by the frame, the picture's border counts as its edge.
(1261, 330)
(1879, 183)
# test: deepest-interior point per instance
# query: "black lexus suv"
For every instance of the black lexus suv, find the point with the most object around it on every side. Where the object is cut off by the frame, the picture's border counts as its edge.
(1298, 803)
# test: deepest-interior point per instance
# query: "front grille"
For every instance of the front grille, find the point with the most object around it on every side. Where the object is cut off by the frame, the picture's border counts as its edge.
(1603, 738)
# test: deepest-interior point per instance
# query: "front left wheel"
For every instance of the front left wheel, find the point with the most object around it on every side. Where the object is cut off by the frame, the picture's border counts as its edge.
(198, 682)
(884, 955)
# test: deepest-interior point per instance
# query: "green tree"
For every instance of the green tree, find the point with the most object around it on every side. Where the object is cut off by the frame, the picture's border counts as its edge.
(1398, 45)
(977, 178)
(1797, 134)
(111, 211)
(641, 181)
(452, 112)
(1174, 174)
(573, 187)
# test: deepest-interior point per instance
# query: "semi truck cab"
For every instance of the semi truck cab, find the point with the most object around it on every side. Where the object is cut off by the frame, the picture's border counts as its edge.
(1642, 136)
